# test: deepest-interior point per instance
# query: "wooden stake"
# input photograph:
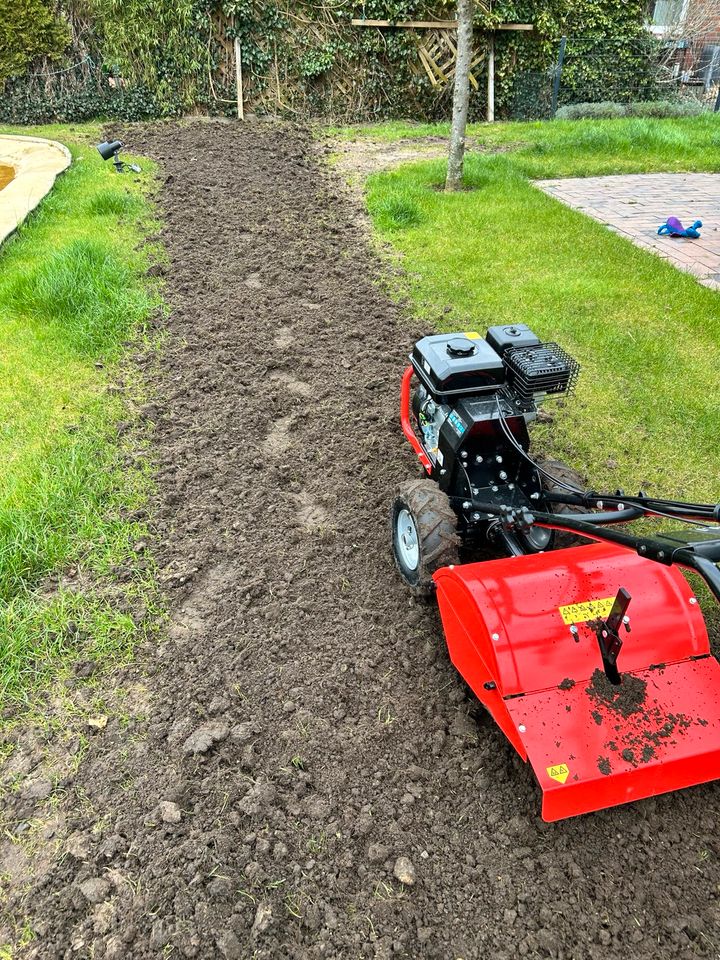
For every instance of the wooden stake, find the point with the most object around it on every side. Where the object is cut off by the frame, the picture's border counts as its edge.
(238, 80)
(277, 75)
(491, 80)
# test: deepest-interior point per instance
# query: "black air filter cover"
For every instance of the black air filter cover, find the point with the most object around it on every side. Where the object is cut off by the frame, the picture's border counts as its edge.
(511, 335)
(457, 364)
(541, 369)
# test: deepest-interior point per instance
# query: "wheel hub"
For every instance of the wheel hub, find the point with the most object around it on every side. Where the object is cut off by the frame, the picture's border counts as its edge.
(406, 537)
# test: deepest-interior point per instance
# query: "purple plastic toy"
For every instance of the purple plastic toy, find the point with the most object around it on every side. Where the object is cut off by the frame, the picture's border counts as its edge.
(673, 228)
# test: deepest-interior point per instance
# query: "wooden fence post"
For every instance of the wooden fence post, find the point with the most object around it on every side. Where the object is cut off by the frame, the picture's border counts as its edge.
(238, 80)
(491, 80)
(558, 76)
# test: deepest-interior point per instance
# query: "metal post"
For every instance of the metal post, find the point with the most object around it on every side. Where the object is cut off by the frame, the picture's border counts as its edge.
(717, 102)
(558, 75)
(491, 79)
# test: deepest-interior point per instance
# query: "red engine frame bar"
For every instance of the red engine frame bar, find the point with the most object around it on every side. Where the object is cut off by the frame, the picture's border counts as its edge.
(407, 424)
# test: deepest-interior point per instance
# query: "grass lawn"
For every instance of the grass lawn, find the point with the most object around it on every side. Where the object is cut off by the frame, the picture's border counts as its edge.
(575, 148)
(72, 291)
(647, 336)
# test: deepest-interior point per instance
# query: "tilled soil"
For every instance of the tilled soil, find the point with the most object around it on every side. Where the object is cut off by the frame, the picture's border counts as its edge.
(304, 730)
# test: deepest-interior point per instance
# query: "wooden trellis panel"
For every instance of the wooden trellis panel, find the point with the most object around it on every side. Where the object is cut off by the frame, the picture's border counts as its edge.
(276, 86)
(438, 55)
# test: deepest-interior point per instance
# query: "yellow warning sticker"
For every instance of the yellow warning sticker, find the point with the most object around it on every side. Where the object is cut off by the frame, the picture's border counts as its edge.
(472, 335)
(587, 610)
(559, 772)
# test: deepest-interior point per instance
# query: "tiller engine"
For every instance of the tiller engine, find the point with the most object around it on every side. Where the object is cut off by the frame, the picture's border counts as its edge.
(585, 642)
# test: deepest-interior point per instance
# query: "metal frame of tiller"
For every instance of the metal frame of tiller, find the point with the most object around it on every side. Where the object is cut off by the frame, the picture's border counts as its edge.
(533, 633)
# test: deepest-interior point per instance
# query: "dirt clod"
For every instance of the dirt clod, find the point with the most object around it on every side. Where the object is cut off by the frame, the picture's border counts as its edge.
(625, 698)
(169, 812)
(263, 919)
(377, 853)
(38, 789)
(229, 946)
(95, 890)
(202, 739)
(78, 845)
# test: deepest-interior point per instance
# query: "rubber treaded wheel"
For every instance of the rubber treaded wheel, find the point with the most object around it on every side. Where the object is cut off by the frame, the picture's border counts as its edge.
(424, 533)
(561, 471)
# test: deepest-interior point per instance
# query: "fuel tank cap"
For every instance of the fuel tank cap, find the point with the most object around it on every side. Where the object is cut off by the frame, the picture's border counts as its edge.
(460, 347)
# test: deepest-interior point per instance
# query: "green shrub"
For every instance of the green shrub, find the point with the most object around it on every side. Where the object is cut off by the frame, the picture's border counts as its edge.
(654, 109)
(29, 30)
(665, 108)
(605, 110)
(26, 101)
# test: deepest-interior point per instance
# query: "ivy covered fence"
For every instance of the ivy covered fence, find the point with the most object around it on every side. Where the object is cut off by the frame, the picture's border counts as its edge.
(133, 59)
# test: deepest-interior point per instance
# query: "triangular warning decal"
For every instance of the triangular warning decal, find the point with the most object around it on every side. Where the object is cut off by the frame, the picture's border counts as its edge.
(559, 772)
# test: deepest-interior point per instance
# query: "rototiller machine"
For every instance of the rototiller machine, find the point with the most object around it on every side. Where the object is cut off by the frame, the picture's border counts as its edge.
(593, 657)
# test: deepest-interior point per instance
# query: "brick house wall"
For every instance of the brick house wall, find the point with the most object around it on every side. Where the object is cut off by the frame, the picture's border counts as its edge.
(704, 52)
(694, 26)
(710, 10)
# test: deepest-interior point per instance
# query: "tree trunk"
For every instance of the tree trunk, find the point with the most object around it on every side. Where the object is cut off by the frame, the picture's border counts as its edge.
(461, 94)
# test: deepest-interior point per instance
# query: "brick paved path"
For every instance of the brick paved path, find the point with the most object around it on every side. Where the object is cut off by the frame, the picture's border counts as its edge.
(635, 205)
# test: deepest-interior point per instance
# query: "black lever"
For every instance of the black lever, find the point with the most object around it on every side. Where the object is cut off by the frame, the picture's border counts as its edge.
(608, 634)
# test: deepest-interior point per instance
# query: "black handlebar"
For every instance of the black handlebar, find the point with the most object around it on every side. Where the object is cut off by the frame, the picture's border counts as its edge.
(647, 505)
(701, 554)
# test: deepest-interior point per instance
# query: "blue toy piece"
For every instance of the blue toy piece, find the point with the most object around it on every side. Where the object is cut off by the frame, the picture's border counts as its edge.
(673, 228)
